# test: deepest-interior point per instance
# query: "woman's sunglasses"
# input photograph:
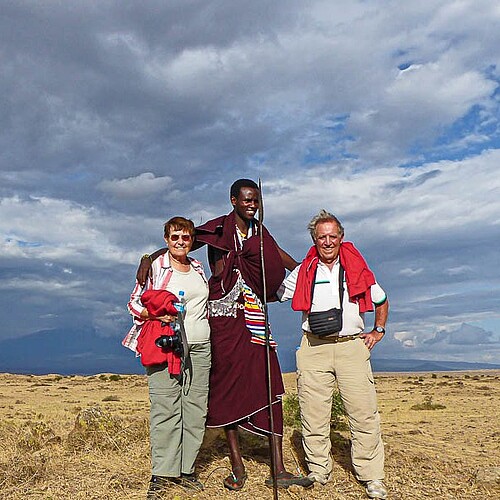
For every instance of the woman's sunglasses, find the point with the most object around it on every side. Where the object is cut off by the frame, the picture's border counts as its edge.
(184, 237)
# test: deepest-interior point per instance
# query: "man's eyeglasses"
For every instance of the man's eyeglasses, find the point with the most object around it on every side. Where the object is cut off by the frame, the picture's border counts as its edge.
(184, 237)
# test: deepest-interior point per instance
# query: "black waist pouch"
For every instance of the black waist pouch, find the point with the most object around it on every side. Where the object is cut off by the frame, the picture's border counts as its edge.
(325, 322)
(329, 322)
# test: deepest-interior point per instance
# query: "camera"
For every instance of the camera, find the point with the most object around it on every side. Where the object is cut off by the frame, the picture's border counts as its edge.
(173, 342)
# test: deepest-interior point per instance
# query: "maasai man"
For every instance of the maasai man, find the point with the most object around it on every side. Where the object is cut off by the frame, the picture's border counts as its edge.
(238, 394)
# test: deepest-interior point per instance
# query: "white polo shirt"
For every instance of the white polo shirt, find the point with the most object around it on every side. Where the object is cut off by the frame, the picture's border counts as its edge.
(326, 296)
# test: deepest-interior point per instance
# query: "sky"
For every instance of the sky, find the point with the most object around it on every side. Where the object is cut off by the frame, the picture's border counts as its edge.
(117, 115)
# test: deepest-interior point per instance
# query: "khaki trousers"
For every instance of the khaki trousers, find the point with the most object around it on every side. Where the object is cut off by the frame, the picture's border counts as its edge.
(319, 364)
(178, 413)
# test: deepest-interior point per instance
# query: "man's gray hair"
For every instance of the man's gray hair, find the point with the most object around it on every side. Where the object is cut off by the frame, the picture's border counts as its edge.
(323, 216)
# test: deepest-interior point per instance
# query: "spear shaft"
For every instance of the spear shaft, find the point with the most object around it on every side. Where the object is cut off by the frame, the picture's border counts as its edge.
(268, 344)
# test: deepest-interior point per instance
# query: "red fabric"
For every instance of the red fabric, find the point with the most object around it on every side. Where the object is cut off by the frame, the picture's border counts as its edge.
(238, 382)
(358, 276)
(220, 233)
(158, 303)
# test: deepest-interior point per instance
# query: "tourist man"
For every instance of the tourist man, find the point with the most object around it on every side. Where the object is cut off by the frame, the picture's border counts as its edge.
(335, 276)
(238, 396)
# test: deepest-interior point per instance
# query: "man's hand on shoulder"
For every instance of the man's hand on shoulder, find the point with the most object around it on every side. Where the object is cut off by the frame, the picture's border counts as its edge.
(144, 269)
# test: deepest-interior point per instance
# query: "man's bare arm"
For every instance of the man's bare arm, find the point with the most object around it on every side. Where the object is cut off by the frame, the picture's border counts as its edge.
(288, 261)
(381, 314)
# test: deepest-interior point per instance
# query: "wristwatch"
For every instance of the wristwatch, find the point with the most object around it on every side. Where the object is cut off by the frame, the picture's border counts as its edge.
(379, 329)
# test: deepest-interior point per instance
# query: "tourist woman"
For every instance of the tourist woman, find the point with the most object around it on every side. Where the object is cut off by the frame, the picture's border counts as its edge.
(178, 384)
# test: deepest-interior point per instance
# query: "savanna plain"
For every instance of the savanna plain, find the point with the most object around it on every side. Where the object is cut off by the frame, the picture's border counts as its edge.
(75, 437)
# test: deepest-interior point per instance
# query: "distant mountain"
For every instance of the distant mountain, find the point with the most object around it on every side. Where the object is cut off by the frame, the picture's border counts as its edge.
(287, 361)
(83, 352)
(423, 365)
(79, 352)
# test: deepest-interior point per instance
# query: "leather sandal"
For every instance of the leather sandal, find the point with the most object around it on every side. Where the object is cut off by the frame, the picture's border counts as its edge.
(285, 480)
(234, 483)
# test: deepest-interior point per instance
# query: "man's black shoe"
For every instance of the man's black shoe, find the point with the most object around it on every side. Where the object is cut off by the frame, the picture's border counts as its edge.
(159, 484)
(191, 481)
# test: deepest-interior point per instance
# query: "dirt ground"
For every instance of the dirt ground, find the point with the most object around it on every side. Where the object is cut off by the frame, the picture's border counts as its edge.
(87, 438)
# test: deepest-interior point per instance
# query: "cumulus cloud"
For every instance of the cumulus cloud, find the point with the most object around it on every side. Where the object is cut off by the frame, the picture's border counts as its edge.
(453, 271)
(410, 272)
(35, 285)
(464, 335)
(57, 230)
(143, 185)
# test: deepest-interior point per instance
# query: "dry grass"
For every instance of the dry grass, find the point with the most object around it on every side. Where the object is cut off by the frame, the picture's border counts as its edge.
(87, 438)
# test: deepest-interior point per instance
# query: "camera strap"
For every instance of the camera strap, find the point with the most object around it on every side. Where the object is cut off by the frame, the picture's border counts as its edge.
(341, 285)
(182, 329)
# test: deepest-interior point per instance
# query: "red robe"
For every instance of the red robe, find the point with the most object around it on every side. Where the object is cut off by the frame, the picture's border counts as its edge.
(238, 378)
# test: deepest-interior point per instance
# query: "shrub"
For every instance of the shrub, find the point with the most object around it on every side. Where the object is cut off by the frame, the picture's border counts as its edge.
(428, 405)
(111, 398)
(291, 412)
(97, 429)
(337, 419)
(24, 454)
(24, 467)
(35, 435)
